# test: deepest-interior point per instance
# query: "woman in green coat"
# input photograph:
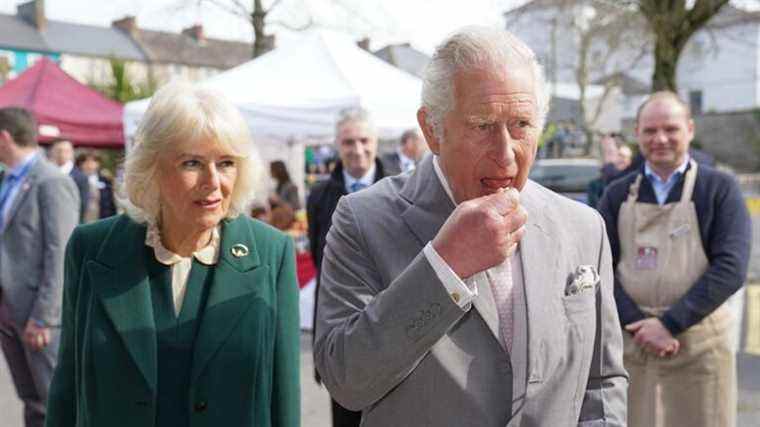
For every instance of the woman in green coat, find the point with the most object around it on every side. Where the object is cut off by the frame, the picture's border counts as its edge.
(181, 312)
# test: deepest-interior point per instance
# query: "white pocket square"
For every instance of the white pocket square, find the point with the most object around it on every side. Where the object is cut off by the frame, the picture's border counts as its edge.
(583, 279)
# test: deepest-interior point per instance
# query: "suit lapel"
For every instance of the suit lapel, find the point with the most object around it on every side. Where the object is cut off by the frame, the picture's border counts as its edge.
(235, 281)
(429, 205)
(429, 208)
(539, 256)
(23, 190)
(124, 290)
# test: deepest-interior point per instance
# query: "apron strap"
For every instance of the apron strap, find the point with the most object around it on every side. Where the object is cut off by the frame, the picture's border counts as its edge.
(688, 185)
(633, 190)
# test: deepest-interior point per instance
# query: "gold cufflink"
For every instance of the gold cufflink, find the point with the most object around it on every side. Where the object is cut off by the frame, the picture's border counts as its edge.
(239, 250)
(455, 297)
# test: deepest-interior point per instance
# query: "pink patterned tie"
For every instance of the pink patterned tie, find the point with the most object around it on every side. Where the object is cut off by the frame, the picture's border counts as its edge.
(500, 278)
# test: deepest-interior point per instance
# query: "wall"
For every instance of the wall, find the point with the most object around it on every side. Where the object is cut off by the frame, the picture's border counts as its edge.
(723, 64)
(20, 60)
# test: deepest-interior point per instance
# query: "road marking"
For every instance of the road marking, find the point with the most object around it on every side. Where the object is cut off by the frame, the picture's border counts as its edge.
(752, 345)
(753, 205)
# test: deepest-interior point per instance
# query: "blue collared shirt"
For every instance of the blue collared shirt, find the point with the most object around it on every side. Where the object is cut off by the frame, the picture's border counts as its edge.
(12, 183)
(662, 188)
(367, 180)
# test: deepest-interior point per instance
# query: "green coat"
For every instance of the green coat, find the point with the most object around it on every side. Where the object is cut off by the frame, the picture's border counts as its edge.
(246, 360)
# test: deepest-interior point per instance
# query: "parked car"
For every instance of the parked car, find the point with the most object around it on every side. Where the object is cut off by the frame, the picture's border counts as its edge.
(569, 177)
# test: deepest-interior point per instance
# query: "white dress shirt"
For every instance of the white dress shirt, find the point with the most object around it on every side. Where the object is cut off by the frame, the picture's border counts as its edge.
(66, 167)
(406, 164)
(367, 179)
(209, 255)
(662, 188)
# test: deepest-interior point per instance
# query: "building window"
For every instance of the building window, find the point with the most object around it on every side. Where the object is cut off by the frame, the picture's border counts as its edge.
(695, 102)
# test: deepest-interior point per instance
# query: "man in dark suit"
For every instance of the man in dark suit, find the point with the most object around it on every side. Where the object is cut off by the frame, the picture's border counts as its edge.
(39, 208)
(358, 168)
(410, 151)
(62, 155)
(100, 201)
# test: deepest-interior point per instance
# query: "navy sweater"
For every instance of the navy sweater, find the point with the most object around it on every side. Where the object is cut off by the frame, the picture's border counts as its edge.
(726, 232)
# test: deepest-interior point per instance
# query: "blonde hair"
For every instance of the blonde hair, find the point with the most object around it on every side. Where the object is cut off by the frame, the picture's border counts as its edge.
(184, 112)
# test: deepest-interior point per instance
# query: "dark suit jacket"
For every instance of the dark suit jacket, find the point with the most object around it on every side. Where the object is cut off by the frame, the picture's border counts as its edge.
(319, 210)
(320, 207)
(392, 163)
(246, 359)
(84, 190)
(107, 204)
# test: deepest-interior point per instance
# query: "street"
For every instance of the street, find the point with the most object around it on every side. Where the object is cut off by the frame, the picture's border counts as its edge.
(315, 408)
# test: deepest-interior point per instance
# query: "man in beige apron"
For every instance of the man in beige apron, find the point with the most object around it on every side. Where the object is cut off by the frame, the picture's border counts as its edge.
(678, 258)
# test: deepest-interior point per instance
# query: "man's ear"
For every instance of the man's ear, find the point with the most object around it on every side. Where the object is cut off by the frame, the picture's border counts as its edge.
(423, 118)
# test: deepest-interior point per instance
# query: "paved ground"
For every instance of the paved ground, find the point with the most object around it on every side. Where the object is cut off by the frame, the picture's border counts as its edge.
(315, 408)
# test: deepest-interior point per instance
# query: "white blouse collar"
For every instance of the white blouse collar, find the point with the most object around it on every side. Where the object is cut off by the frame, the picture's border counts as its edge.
(208, 255)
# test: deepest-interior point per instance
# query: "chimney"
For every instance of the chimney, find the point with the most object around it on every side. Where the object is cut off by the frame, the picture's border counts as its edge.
(363, 43)
(195, 32)
(128, 24)
(33, 12)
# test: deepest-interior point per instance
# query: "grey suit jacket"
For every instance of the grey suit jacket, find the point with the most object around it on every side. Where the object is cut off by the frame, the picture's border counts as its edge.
(392, 343)
(32, 244)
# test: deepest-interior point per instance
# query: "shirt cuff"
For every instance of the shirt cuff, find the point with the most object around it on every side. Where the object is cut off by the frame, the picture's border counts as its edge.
(460, 293)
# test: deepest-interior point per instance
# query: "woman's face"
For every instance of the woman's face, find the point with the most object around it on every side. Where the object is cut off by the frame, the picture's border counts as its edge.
(196, 180)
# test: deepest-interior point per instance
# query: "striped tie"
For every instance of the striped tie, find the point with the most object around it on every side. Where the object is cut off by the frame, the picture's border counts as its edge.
(500, 278)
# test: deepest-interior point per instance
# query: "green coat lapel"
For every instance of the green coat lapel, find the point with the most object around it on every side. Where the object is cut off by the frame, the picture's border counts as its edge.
(236, 277)
(120, 277)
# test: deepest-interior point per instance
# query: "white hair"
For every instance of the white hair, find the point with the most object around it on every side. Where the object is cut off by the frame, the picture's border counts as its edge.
(476, 47)
(355, 115)
(182, 112)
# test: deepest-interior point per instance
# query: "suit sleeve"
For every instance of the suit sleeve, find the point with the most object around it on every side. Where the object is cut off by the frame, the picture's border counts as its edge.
(59, 201)
(83, 188)
(369, 336)
(286, 394)
(61, 410)
(605, 400)
(728, 252)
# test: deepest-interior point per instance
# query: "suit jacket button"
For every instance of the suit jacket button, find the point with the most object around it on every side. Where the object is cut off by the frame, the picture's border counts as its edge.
(200, 406)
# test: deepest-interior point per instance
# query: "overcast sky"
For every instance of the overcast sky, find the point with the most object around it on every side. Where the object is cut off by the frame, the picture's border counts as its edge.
(422, 22)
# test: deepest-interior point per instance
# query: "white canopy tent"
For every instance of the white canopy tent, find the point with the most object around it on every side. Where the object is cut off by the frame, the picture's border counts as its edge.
(293, 95)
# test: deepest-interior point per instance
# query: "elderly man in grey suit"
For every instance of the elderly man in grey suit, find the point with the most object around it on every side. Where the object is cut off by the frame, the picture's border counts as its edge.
(39, 208)
(464, 294)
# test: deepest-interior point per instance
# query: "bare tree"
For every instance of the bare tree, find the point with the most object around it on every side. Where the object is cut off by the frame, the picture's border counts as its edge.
(256, 14)
(604, 40)
(672, 24)
(294, 16)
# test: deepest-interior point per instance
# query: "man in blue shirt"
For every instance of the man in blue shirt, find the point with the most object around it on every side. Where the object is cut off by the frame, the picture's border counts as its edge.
(39, 207)
(680, 238)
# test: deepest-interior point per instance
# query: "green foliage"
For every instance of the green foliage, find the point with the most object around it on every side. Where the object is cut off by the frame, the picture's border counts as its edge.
(122, 88)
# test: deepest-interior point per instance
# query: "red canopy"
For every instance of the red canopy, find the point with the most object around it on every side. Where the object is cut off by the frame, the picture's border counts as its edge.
(65, 108)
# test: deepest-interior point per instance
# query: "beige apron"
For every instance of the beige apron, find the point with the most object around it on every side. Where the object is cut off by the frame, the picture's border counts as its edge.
(661, 259)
